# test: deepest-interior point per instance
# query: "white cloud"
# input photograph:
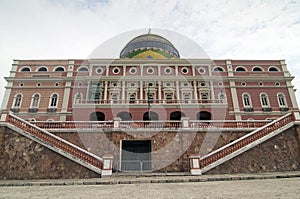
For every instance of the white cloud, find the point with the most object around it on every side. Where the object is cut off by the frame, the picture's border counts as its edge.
(231, 29)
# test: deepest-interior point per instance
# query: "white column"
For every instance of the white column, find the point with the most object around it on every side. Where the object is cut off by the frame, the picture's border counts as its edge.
(124, 70)
(123, 91)
(236, 107)
(176, 70)
(195, 90)
(159, 68)
(177, 91)
(159, 91)
(107, 70)
(141, 90)
(193, 70)
(67, 92)
(105, 90)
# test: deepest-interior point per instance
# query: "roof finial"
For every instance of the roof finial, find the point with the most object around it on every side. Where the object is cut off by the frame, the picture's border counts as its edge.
(149, 29)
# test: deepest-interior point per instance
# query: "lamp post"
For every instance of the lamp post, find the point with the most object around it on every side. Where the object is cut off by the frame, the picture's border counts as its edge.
(149, 101)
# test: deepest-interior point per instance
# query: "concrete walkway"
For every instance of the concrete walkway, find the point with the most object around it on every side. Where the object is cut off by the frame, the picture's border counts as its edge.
(125, 178)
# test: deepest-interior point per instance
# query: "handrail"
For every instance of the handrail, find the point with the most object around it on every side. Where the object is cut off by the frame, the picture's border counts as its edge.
(245, 140)
(56, 141)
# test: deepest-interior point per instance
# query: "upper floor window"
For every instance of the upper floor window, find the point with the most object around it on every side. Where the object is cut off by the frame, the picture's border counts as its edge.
(247, 100)
(240, 69)
(17, 101)
(35, 101)
(281, 100)
(186, 97)
(114, 97)
(169, 97)
(132, 98)
(218, 69)
(78, 98)
(222, 96)
(42, 69)
(273, 69)
(25, 69)
(257, 69)
(264, 100)
(83, 69)
(59, 69)
(53, 100)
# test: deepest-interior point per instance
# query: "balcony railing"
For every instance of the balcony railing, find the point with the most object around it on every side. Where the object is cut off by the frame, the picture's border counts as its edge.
(153, 101)
(160, 124)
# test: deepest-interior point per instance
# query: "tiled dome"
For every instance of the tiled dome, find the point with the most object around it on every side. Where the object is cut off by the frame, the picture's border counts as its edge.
(149, 46)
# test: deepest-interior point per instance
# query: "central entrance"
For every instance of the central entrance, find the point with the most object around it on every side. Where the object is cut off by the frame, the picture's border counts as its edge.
(136, 155)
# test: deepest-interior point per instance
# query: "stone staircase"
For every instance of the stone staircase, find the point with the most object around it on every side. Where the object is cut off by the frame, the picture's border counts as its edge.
(56, 143)
(244, 143)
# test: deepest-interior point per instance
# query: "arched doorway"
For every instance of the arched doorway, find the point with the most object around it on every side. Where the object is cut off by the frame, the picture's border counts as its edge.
(203, 115)
(125, 116)
(153, 116)
(97, 116)
(176, 115)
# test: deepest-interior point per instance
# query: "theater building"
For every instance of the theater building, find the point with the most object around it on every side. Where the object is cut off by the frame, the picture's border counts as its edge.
(149, 88)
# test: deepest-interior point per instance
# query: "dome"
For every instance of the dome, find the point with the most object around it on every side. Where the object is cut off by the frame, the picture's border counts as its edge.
(149, 46)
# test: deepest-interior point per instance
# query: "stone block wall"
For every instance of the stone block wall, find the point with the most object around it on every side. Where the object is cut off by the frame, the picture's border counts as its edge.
(280, 153)
(22, 158)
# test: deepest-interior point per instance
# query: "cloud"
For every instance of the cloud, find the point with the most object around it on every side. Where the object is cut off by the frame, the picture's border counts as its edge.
(232, 29)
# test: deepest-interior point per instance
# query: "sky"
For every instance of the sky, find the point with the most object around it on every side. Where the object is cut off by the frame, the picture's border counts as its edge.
(72, 29)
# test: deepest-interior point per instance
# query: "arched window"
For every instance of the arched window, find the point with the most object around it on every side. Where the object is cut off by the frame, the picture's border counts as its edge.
(222, 97)
(42, 69)
(281, 100)
(186, 97)
(218, 69)
(25, 69)
(53, 100)
(59, 69)
(83, 69)
(240, 69)
(35, 101)
(114, 98)
(169, 97)
(257, 69)
(78, 98)
(264, 100)
(17, 101)
(273, 69)
(132, 98)
(247, 100)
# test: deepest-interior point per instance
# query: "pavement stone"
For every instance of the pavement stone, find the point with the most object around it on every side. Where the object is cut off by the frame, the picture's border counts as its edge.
(126, 178)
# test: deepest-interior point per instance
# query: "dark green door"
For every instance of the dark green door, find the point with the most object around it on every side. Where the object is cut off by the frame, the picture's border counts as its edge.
(136, 155)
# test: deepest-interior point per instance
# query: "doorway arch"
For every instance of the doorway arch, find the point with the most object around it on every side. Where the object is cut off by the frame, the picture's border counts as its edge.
(176, 115)
(125, 116)
(203, 115)
(97, 116)
(153, 116)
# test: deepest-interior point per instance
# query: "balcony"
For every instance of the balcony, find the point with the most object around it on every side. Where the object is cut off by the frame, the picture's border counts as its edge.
(160, 125)
(284, 109)
(248, 109)
(15, 110)
(153, 101)
(51, 110)
(268, 109)
(33, 110)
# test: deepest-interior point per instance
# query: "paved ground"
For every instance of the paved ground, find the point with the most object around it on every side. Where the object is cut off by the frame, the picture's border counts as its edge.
(280, 185)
